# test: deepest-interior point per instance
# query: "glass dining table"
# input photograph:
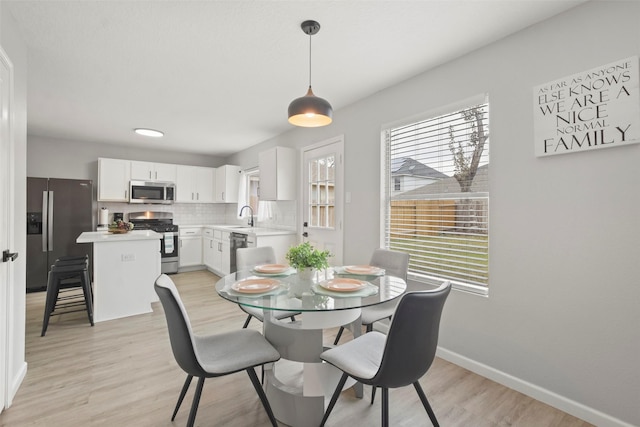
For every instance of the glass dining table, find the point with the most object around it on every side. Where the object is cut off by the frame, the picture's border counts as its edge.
(300, 384)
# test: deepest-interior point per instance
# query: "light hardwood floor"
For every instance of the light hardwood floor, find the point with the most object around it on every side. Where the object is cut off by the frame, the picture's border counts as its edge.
(122, 373)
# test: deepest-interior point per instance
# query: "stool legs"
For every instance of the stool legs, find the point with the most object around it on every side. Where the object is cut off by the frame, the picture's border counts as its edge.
(88, 294)
(75, 270)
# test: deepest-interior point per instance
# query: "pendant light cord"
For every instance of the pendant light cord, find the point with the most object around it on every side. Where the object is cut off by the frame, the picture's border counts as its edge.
(309, 60)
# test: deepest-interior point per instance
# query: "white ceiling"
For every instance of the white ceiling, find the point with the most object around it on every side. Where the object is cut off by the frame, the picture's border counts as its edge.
(218, 76)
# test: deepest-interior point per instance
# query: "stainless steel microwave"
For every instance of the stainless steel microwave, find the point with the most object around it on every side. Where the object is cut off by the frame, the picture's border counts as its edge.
(152, 192)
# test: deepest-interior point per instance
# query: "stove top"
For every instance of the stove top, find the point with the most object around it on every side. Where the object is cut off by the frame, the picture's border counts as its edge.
(159, 227)
(156, 221)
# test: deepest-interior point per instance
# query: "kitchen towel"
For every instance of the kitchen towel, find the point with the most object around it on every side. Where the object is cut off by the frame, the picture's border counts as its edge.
(168, 243)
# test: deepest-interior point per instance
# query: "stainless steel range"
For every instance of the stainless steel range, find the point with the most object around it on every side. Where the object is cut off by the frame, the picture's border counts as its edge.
(161, 222)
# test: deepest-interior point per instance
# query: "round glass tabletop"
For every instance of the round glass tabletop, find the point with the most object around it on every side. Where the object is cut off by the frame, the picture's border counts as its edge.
(327, 290)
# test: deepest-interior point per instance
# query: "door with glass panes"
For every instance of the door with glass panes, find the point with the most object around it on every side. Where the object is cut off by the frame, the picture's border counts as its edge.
(323, 196)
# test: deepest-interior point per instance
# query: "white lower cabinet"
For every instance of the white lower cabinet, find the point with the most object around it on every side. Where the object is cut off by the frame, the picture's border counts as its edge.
(190, 251)
(222, 252)
(209, 248)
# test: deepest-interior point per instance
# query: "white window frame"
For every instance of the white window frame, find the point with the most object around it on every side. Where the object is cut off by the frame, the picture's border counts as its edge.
(387, 186)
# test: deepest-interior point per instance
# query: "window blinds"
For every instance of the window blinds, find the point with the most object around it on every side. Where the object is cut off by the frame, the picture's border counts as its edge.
(436, 195)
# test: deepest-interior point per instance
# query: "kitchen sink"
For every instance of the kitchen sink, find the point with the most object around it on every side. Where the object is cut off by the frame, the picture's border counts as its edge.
(243, 229)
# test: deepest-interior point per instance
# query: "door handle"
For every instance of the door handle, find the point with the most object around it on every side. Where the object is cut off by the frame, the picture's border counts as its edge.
(50, 224)
(9, 256)
(45, 219)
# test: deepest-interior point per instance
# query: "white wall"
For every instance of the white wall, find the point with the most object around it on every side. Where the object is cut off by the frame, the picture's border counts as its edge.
(57, 158)
(562, 320)
(17, 52)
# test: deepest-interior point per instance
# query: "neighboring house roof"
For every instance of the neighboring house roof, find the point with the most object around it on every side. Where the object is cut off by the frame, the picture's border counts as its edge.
(409, 166)
(450, 186)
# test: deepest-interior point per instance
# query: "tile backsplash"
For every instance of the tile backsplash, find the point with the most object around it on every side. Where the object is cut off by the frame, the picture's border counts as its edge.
(272, 214)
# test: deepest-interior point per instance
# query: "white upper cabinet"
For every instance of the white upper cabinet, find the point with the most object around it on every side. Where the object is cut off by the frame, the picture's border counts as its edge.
(195, 184)
(148, 171)
(113, 180)
(226, 184)
(205, 184)
(277, 167)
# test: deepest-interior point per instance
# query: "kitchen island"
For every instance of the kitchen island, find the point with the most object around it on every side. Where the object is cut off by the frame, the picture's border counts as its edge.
(125, 267)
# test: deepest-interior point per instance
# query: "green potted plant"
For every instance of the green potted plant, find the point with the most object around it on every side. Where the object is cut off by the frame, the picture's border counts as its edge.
(306, 259)
(306, 256)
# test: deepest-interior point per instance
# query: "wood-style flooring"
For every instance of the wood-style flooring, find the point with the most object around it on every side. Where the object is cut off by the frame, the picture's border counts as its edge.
(122, 373)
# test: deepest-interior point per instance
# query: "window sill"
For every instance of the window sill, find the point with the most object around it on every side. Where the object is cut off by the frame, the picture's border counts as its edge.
(415, 282)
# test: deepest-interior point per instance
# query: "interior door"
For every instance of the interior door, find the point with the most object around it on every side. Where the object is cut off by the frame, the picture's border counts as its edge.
(323, 201)
(5, 211)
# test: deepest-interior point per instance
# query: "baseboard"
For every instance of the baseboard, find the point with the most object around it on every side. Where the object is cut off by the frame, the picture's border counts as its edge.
(562, 403)
(16, 382)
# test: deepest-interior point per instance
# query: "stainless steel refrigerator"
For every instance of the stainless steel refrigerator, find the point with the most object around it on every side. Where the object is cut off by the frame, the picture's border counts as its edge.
(58, 211)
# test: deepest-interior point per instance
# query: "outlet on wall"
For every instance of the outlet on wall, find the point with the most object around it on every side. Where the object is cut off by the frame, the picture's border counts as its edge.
(128, 257)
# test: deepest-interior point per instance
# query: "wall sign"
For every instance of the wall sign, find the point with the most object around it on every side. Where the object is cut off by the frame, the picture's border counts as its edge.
(594, 109)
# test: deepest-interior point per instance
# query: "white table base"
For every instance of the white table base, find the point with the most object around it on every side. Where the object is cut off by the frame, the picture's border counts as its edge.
(300, 385)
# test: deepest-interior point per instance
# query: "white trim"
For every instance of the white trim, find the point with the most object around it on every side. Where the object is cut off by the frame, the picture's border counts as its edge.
(11, 384)
(481, 98)
(562, 403)
(16, 382)
(464, 287)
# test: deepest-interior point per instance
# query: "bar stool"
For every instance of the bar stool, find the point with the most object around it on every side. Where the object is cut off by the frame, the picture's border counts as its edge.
(67, 275)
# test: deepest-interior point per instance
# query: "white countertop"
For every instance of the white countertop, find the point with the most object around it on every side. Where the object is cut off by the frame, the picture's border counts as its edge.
(256, 231)
(105, 236)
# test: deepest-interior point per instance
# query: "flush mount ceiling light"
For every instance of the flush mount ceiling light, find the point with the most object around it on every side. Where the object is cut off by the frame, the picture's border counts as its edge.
(309, 110)
(149, 132)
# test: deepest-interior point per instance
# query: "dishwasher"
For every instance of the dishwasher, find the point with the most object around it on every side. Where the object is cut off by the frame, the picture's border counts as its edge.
(238, 240)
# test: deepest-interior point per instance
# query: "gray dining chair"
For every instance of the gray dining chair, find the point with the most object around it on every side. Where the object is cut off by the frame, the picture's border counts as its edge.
(212, 355)
(250, 257)
(397, 359)
(395, 263)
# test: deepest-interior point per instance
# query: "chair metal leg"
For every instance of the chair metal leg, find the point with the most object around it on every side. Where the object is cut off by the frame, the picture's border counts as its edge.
(338, 336)
(293, 318)
(263, 397)
(48, 305)
(425, 403)
(385, 407)
(196, 401)
(369, 327)
(334, 398)
(373, 394)
(185, 387)
(246, 322)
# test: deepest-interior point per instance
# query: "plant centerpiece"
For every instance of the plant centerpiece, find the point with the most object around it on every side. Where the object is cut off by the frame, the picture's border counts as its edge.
(305, 258)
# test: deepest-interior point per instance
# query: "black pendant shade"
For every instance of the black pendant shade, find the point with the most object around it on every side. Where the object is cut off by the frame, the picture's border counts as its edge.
(310, 110)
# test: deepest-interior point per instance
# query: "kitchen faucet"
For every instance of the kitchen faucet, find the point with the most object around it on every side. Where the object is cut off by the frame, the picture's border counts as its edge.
(250, 210)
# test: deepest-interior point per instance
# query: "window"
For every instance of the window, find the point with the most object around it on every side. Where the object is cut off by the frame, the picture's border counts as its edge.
(253, 189)
(322, 192)
(396, 183)
(441, 216)
(249, 192)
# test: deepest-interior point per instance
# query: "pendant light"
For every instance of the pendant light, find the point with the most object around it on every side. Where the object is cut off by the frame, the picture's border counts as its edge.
(309, 110)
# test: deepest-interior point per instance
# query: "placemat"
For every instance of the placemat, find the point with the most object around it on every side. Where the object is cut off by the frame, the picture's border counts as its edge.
(368, 290)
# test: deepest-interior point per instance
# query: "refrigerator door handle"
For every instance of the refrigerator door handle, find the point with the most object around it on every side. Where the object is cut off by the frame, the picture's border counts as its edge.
(45, 219)
(50, 223)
